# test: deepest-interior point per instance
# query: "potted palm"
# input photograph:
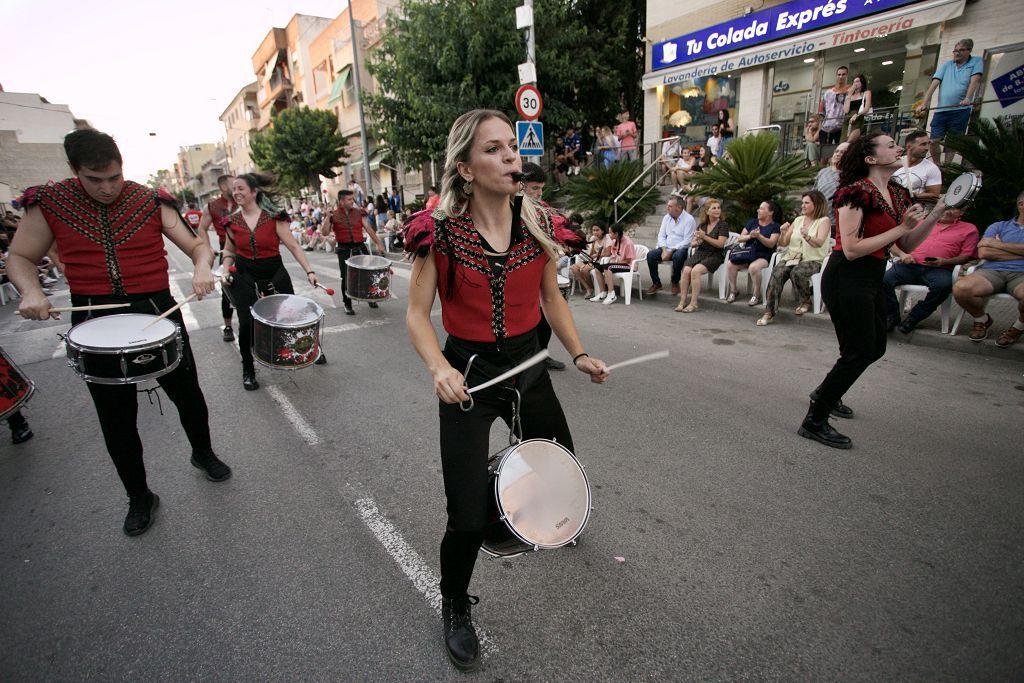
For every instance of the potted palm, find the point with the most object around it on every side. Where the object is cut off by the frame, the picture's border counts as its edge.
(995, 150)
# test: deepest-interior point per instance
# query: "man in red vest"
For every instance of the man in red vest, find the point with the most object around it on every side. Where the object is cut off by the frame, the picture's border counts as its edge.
(349, 225)
(216, 216)
(110, 235)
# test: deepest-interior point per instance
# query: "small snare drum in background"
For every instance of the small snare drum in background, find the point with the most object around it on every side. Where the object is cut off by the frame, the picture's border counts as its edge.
(15, 387)
(286, 331)
(368, 278)
(963, 190)
(115, 349)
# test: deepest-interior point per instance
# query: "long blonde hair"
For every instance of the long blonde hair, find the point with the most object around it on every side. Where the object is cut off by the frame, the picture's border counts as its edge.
(454, 199)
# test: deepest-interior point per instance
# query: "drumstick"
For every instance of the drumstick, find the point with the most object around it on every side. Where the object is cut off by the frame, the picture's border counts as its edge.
(170, 310)
(528, 363)
(330, 292)
(73, 309)
(639, 359)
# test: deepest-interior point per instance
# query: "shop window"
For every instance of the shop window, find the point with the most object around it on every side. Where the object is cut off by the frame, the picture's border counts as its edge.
(690, 108)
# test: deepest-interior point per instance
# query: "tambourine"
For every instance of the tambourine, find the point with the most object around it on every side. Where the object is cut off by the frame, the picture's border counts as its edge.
(963, 190)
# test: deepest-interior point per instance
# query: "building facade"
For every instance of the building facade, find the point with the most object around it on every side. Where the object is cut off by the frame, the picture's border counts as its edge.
(240, 119)
(769, 68)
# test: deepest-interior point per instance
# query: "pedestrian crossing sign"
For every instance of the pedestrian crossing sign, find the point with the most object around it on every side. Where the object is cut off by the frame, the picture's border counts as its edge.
(530, 137)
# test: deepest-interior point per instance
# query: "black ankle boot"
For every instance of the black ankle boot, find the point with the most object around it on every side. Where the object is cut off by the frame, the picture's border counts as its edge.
(842, 410)
(459, 635)
(249, 379)
(815, 426)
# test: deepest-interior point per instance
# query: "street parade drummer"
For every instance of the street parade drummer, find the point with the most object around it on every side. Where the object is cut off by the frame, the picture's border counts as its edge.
(491, 254)
(109, 232)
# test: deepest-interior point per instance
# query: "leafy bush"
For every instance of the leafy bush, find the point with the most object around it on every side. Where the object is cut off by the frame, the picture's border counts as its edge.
(754, 172)
(594, 190)
(995, 148)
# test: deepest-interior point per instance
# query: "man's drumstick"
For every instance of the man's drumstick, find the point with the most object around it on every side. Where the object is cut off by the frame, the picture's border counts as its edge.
(73, 309)
(171, 310)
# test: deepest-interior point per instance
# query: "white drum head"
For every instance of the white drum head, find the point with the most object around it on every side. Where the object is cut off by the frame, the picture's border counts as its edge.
(122, 331)
(962, 190)
(367, 262)
(287, 310)
(543, 493)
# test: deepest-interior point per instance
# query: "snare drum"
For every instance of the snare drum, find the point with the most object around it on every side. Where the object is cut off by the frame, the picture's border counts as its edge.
(15, 386)
(540, 498)
(963, 190)
(115, 349)
(368, 278)
(286, 331)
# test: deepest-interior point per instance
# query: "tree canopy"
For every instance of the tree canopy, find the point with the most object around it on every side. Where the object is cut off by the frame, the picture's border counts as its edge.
(301, 145)
(440, 59)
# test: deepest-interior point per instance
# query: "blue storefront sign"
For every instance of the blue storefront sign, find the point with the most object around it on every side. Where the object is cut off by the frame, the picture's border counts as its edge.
(1010, 87)
(787, 19)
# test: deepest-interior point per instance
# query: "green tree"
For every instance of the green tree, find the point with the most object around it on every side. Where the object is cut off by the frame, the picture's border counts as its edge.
(440, 59)
(184, 197)
(301, 145)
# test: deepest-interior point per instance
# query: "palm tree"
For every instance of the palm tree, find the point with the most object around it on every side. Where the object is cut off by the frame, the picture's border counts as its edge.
(752, 172)
(995, 150)
(594, 190)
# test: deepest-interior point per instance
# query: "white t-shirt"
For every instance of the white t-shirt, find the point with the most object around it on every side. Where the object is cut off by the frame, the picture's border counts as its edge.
(715, 144)
(917, 178)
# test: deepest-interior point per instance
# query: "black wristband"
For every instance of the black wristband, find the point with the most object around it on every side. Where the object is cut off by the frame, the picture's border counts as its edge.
(310, 272)
(576, 358)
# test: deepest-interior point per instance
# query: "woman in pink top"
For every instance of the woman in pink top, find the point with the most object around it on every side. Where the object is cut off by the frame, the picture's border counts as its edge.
(621, 255)
(626, 133)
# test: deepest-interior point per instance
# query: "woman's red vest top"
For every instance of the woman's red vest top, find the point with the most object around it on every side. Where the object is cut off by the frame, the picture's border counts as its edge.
(347, 225)
(263, 242)
(115, 248)
(481, 306)
(878, 215)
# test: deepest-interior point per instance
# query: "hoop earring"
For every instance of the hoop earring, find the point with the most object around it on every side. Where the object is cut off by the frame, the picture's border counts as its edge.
(467, 188)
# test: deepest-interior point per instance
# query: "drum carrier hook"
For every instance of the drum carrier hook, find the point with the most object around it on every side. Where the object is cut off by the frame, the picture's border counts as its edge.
(515, 434)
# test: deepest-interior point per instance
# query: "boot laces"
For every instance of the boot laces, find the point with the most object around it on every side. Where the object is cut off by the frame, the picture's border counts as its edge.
(460, 612)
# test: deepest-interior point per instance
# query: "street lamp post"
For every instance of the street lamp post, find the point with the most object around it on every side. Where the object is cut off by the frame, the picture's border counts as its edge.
(359, 102)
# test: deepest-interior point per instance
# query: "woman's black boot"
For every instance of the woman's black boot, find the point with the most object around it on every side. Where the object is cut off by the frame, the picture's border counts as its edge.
(459, 635)
(815, 426)
(249, 378)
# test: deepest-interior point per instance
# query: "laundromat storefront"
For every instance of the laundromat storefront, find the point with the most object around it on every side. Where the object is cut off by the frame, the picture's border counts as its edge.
(770, 66)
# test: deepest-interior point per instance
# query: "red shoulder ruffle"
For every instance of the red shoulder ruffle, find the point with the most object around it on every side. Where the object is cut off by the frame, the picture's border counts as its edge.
(418, 233)
(855, 196)
(29, 197)
(164, 197)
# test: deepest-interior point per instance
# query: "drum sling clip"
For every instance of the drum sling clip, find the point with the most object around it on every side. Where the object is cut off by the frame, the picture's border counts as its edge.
(149, 394)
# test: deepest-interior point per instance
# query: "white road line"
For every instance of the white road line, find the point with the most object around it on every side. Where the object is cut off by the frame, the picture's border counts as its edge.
(186, 312)
(293, 415)
(410, 562)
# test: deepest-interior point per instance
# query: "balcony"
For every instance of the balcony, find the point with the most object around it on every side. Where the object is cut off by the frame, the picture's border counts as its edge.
(278, 86)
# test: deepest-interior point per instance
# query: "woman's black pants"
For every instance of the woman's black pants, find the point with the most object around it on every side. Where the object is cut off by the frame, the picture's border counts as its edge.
(267, 276)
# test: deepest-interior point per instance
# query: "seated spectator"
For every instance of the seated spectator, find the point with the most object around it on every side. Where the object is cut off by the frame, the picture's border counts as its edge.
(686, 167)
(761, 234)
(598, 243)
(621, 255)
(297, 228)
(708, 253)
(1002, 247)
(951, 243)
(827, 180)
(674, 237)
(671, 150)
(807, 240)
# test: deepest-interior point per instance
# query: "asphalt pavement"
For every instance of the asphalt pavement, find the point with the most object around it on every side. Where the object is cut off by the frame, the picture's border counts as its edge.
(722, 545)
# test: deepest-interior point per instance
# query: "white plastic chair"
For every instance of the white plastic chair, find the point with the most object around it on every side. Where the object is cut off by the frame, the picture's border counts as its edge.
(634, 273)
(945, 309)
(960, 317)
(766, 273)
(819, 305)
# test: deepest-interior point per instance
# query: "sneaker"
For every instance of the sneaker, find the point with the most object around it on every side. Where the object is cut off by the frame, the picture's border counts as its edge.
(349, 310)
(597, 297)
(229, 334)
(374, 304)
(140, 513)
(21, 433)
(610, 299)
(321, 359)
(907, 326)
(980, 330)
(214, 468)
(1009, 336)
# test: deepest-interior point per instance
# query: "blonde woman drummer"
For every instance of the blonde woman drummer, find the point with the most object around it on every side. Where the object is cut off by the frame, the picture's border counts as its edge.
(490, 255)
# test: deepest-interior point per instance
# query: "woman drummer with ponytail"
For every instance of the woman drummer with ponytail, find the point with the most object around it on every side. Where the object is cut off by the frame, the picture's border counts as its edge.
(255, 231)
(490, 253)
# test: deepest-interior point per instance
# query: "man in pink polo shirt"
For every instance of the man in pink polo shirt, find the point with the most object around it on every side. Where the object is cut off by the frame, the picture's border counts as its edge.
(952, 242)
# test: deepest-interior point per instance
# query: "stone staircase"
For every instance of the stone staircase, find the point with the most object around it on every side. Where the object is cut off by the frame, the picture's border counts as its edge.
(646, 230)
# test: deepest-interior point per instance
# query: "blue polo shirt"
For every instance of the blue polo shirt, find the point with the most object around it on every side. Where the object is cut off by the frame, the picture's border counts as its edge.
(955, 80)
(1008, 231)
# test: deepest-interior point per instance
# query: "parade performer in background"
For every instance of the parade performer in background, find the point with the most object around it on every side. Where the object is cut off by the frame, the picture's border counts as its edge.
(216, 215)
(255, 233)
(349, 225)
(490, 254)
(873, 213)
(109, 232)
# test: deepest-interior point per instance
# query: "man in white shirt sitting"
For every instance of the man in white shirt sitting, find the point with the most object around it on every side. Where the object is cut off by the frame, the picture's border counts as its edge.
(921, 176)
(674, 237)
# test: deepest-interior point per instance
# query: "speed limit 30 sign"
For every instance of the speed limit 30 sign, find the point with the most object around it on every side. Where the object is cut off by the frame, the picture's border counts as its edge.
(528, 102)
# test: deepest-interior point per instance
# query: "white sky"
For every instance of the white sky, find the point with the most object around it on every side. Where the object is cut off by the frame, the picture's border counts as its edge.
(135, 67)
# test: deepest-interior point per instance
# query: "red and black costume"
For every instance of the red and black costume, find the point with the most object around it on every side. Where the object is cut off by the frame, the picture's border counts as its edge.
(490, 307)
(219, 210)
(114, 253)
(852, 289)
(260, 270)
(347, 225)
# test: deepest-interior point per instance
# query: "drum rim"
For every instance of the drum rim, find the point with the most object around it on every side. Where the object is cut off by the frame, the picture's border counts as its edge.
(136, 379)
(504, 454)
(23, 400)
(373, 256)
(294, 326)
(110, 350)
(975, 184)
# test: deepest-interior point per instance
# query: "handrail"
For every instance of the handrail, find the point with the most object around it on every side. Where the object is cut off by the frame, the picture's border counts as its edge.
(777, 127)
(642, 197)
(647, 168)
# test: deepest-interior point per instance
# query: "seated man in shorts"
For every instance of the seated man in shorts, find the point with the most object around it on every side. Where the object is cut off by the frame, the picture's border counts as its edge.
(1002, 247)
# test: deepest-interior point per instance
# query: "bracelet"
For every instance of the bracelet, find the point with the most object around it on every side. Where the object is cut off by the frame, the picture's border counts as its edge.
(310, 272)
(576, 358)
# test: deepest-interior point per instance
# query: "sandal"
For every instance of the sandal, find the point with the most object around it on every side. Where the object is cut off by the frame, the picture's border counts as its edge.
(679, 309)
(754, 301)
(732, 297)
(691, 308)
(801, 309)
(765, 320)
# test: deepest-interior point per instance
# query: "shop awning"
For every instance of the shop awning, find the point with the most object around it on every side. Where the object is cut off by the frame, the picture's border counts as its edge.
(882, 24)
(375, 160)
(340, 83)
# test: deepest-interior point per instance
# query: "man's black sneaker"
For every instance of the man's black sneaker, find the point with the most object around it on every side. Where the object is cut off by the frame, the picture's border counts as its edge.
(907, 326)
(373, 304)
(349, 310)
(229, 334)
(21, 433)
(322, 360)
(140, 515)
(249, 380)
(207, 461)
